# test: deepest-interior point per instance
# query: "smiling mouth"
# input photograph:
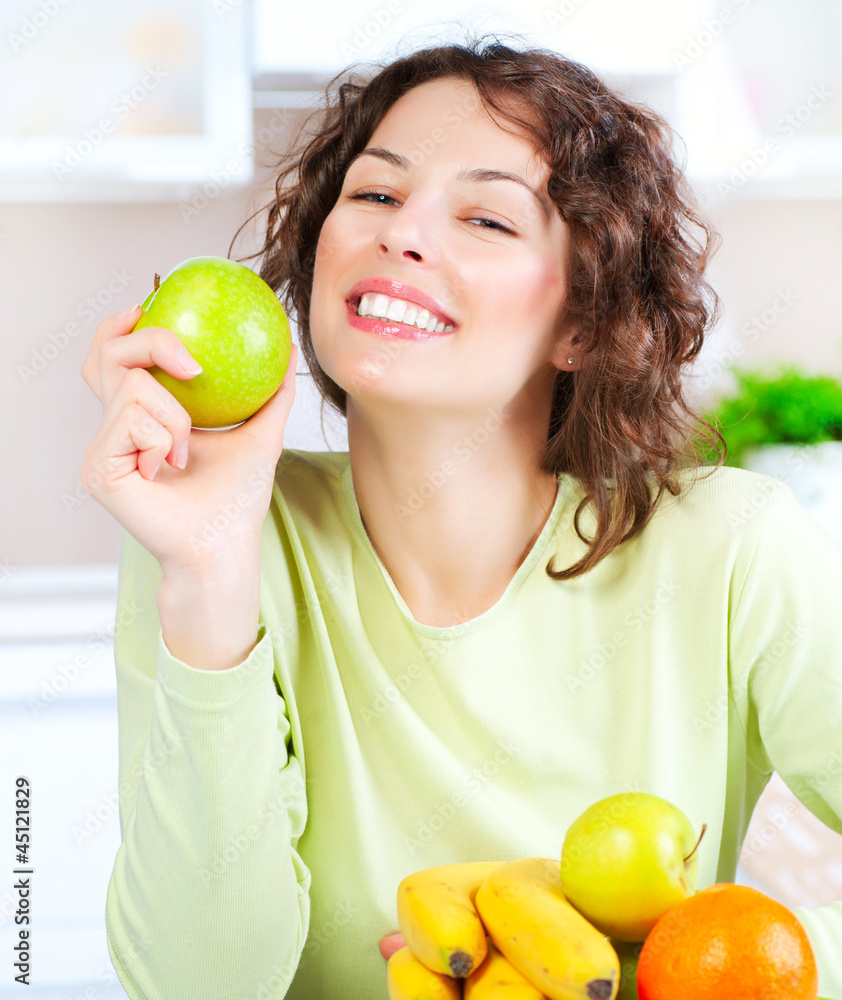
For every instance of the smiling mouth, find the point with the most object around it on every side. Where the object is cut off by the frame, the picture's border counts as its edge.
(389, 309)
(392, 327)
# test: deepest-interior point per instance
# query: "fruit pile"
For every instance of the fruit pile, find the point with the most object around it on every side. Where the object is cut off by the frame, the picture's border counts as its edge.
(617, 919)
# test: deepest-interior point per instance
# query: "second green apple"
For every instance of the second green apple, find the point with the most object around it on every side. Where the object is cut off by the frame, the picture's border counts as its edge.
(626, 860)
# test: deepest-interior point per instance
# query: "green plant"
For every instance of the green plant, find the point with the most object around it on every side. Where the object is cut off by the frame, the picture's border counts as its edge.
(783, 407)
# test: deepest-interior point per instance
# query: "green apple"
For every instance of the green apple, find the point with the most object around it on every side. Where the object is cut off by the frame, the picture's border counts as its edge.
(626, 860)
(232, 323)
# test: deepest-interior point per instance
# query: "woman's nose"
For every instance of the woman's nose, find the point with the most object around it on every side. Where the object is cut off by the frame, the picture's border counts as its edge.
(414, 254)
(410, 232)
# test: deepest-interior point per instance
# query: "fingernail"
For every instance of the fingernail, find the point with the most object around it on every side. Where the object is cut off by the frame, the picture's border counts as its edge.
(126, 312)
(181, 456)
(155, 473)
(190, 365)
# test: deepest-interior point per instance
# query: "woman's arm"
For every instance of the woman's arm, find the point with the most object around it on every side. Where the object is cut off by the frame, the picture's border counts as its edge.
(208, 895)
(786, 663)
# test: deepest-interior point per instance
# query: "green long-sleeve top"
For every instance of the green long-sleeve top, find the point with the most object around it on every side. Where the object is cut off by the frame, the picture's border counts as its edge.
(269, 811)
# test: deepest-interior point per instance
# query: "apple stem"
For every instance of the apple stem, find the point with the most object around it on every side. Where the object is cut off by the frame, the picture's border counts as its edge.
(157, 282)
(690, 855)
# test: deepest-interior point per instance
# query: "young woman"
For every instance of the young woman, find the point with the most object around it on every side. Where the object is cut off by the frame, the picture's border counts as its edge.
(515, 594)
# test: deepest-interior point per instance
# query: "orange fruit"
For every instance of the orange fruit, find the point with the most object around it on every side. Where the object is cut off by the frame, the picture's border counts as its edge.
(727, 941)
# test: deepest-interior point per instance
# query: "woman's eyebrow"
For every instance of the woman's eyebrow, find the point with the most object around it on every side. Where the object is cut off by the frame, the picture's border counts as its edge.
(479, 175)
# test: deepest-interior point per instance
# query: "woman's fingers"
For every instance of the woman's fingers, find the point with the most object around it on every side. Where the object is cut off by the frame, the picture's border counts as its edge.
(112, 326)
(143, 419)
(153, 345)
(138, 386)
(390, 944)
(135, 440)
(113, 353)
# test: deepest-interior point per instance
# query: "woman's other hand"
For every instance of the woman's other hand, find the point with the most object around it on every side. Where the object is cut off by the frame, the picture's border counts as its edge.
(390, 944)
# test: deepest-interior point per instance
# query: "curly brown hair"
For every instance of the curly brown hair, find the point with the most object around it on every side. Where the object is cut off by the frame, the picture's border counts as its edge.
(619, 423)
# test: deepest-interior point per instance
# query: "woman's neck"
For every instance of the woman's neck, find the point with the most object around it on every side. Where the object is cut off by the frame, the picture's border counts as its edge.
(452, 511)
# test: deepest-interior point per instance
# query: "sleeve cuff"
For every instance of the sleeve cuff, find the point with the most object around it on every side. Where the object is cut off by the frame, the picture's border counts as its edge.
(215, 690)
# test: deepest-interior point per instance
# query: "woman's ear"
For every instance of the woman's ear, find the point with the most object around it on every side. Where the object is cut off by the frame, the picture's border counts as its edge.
(565, 356)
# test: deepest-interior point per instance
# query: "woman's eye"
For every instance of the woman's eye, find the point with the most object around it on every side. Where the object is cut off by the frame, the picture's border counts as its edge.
(375, 196)
(493, 224)
(368, 195)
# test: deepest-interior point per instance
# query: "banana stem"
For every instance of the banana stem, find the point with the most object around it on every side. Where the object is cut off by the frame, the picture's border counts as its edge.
(690, 855)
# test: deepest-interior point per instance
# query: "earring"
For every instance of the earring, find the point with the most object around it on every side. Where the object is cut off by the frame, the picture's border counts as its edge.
(570, 361)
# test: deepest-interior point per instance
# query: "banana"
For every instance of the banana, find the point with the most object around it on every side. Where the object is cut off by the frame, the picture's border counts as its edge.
(498, 979)
(530, 920)
(437, 918)
(409, 979)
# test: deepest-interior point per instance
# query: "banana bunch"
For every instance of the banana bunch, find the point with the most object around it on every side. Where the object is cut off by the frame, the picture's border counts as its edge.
(497, 931)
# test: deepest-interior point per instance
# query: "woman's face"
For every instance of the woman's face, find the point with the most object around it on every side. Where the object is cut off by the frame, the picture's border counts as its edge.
(488, 255)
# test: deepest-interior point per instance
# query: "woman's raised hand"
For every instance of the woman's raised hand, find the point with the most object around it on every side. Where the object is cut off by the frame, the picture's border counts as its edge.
(193, 498)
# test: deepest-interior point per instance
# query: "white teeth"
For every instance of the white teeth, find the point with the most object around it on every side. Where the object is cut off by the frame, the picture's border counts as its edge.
(375, 304)
(380, 306)
(396, 309)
